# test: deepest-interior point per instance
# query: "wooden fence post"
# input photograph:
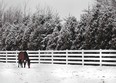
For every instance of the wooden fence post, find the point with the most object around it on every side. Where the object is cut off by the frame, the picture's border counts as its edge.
(6, 57)
(16, 55)
(39, 56)
(52, 56)
(82, 57)
(100, 57)
(66, 57)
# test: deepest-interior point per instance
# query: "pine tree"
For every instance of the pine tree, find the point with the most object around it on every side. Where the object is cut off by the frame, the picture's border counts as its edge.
(99, 27)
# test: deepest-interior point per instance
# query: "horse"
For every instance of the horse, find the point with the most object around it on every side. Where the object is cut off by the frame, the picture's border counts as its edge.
(23, 58)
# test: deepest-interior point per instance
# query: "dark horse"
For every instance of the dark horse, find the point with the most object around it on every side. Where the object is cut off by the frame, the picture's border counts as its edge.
(23, 58)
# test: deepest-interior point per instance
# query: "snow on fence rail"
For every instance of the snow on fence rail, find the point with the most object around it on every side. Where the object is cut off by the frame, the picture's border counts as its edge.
(67, 57)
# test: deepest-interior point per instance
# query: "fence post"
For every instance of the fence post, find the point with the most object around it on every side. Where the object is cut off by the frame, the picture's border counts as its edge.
(52, 56)
(100, 57)
(6, 57)
(82, 57)
(66, 57)
(39, 56)
(16, 55)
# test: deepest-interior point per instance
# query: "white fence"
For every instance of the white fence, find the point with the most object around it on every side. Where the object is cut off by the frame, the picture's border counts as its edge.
(67, 57)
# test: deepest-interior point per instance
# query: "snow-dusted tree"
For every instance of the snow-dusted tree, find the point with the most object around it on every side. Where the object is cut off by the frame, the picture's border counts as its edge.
(50, 41)
(4, 33)
(27, 32)
(99, 27)
(12, 37)
(2, 9)
(42, 24)
(67, 34)
(53, 28)
(11, 30)
(80, 32)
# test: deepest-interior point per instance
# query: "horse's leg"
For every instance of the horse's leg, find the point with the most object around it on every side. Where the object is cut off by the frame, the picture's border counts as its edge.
(24, 63)
(21, 63)
(28, 63)
(18, 64)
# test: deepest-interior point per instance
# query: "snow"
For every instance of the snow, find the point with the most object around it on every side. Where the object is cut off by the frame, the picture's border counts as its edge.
(43, 73)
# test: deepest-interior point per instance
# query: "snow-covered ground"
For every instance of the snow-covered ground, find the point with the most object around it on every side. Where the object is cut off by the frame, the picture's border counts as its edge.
(9, 73)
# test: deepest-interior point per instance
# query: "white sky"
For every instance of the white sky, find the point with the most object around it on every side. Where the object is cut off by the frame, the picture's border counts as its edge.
(63, 7)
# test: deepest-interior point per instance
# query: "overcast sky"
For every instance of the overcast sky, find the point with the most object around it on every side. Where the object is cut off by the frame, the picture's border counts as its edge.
(63, 7)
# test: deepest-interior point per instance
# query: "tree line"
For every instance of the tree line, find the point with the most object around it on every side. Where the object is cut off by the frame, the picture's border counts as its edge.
(44, 30)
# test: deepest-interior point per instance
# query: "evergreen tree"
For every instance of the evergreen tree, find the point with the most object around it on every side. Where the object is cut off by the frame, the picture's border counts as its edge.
(99, 27)
(67, 34)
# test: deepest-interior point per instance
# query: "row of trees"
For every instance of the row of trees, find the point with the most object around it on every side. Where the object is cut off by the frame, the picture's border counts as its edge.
(44, 30)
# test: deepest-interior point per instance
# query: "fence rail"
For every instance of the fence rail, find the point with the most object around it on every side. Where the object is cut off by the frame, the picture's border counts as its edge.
(67, 57)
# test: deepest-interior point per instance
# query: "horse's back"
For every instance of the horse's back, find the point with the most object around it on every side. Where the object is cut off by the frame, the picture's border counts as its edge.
(21, 56)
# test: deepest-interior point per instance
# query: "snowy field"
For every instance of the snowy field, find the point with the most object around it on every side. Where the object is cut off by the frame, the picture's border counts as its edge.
(9, 73)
